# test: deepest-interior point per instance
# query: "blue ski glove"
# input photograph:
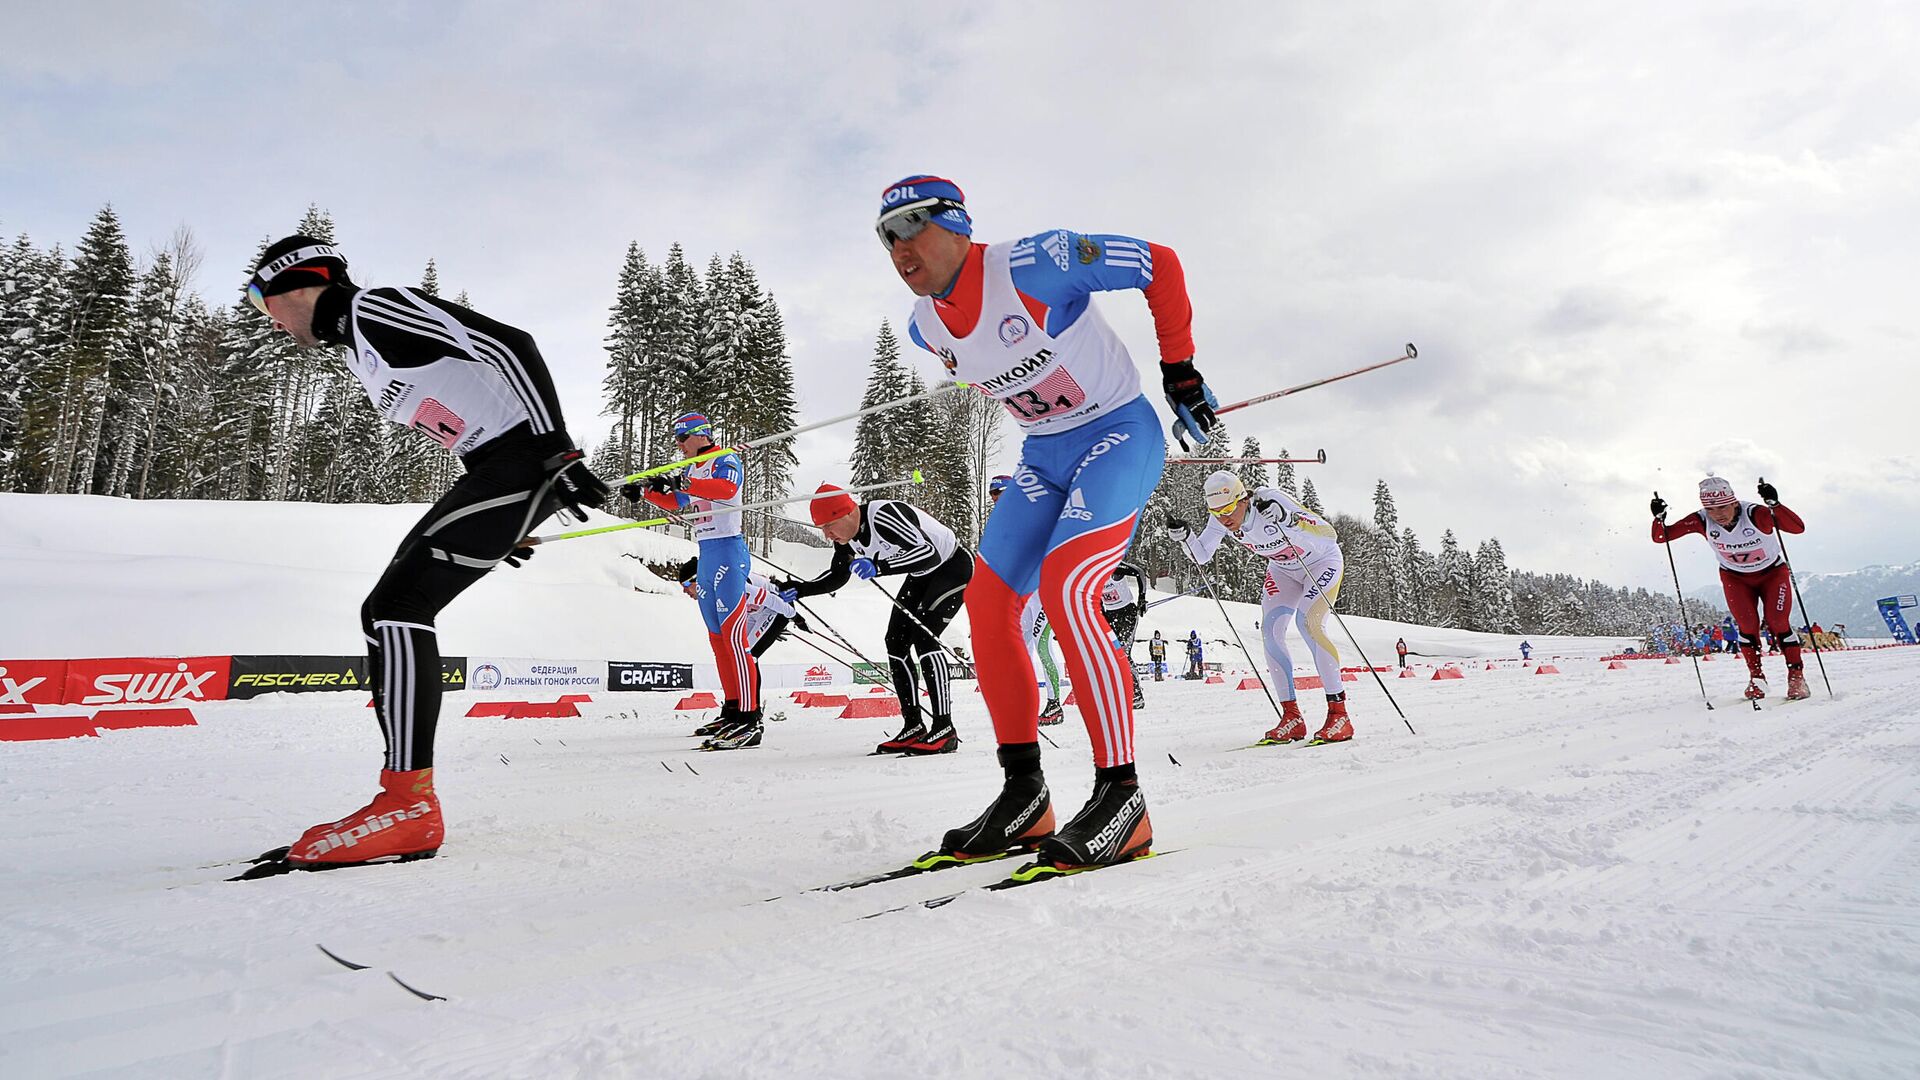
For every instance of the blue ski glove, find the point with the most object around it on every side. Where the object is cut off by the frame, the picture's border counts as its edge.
(790, 596)
(866, 569)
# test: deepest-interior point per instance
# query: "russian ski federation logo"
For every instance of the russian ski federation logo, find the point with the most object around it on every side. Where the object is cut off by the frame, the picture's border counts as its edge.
(1076, 509)
(1013, 329)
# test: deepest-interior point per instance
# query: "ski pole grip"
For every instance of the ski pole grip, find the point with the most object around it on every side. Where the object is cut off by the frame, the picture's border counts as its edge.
(1411, 351)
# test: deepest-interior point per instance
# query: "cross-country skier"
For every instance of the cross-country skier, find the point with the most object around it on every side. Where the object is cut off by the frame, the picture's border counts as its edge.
(768, 613)
(1016, 320)
(884, 537)
(1196, 656)
(715, 484)
(1157, 652)
(479, 388)
(1123, 603)
(1303, 581)
(1753, 571)
(1526, 650)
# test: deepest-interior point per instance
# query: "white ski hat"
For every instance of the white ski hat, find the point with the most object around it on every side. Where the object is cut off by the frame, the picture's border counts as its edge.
(1715, 491)
(1224, 492)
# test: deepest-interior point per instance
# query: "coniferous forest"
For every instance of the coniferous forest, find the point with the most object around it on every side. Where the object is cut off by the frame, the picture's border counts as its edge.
(119, 377)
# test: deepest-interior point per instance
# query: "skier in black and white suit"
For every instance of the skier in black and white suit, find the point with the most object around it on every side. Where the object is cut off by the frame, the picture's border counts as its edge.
(481, 389)
(885, 537)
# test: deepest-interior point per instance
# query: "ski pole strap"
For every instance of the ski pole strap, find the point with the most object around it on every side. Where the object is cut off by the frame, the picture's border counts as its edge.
(1318, 459)
(1408, 355)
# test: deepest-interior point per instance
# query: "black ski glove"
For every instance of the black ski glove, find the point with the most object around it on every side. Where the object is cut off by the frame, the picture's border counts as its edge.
(1192, 401)
(518, 556)
(1177, 530)
(665, 483)
(1659, 508)
(1769, 494)
(574, 484)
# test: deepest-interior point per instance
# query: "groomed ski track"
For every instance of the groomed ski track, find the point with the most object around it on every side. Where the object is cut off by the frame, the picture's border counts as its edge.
(1582, 875)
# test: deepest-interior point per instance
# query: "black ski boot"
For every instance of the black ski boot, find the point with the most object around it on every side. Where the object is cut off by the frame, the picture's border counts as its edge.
(1019, 818)
(743, 734)
(1112, 828)
(939, 738)
(1050, 713)
(911, 733)
(729, 715)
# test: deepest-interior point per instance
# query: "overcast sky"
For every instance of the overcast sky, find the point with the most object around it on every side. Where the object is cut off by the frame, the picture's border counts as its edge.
(1632, 243)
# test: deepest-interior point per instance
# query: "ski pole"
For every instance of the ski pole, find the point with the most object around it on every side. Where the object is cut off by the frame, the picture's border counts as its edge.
(1255, 664)
(815, 616)
(1376, 674)
(1806, 619)
(1277, 394)
(766, 440)
(1151, 604)
(1318, 459)
(679, 518)
(1677, 595)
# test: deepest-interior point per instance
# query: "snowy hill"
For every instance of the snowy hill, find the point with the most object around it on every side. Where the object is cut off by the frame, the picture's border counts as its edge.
(1578, 875)
(86, 575)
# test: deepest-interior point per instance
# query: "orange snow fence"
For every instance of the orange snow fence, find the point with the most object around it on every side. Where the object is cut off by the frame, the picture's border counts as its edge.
(137, 718)
(862, 707)
(879, 690)
(495, 708)
(576, 699)
(1447, 673)
(1348, 676)
(702, 700)
(1615, 665)
(1303, 682)
(800, 697)
(1673, 659)
(826, 701)
(1546, 669)
(1216, 679)
(1070, 698)
(1407, 673)
(1251, 684)
(542, 710)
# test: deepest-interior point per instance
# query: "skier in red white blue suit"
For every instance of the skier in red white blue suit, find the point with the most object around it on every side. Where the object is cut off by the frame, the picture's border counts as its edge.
(715, 484)
(1016, 321)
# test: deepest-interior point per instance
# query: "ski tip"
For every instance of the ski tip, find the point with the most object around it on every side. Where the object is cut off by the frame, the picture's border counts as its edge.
(421, 994)
(338, 959)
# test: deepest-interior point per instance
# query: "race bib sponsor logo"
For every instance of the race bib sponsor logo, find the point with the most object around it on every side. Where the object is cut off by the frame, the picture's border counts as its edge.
(1013, 329)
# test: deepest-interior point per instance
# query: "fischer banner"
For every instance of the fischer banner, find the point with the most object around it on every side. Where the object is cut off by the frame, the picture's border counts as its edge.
(492, 674)
(256, 675)
(147, 680)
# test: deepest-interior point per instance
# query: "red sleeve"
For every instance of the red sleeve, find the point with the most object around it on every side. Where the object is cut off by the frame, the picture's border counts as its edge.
(1766, 517)
(1172, 311)
(662, 500)
(712, 488)
(1690, 525)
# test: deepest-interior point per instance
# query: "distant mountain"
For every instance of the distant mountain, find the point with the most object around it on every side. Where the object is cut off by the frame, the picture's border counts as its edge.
(1848, 597)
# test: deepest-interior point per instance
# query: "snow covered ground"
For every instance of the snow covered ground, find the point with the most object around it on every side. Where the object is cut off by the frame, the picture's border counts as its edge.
(1576, 875)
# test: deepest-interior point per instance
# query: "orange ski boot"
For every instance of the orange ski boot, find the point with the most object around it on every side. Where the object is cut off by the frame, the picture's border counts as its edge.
(401, 824)
(1337, 728)
(1291, 728)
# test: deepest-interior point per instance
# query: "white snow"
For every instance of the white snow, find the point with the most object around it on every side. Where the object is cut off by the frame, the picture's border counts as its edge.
(1581, 875)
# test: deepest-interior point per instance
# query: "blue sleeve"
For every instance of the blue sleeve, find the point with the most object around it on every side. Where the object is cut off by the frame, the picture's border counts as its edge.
(1063, 269)
(727, 467)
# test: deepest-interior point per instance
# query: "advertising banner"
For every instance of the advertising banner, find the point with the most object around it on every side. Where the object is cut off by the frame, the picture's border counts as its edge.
(147, 680)
(630, 675)
(33, 682)
(256, 675)
(506, 674)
